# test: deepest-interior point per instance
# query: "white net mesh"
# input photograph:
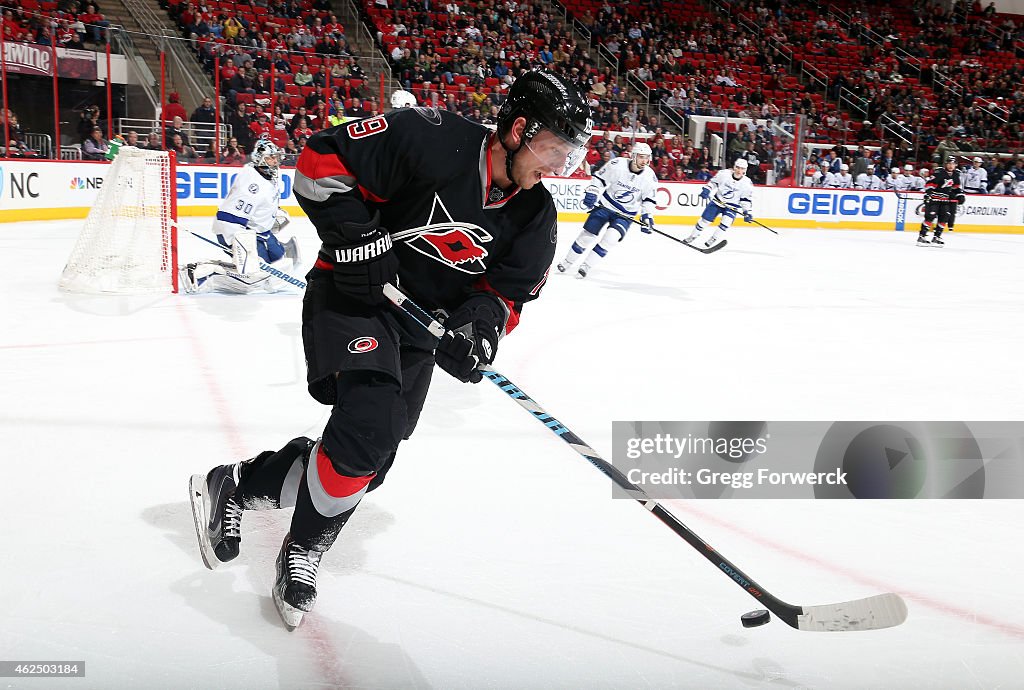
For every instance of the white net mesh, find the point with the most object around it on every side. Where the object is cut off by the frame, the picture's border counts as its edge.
(127, 244)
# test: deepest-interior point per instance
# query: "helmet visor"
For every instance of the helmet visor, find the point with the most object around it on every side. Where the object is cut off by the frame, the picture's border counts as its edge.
(555, 155)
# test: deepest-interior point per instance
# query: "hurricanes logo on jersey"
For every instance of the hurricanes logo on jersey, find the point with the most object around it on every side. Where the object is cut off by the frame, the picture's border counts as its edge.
(461, 246)
(364, 344)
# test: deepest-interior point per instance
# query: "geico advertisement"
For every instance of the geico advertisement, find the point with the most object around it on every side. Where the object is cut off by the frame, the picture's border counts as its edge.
(813, 208)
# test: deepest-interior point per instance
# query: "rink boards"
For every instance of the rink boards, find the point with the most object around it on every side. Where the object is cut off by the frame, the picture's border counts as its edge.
(48, 190)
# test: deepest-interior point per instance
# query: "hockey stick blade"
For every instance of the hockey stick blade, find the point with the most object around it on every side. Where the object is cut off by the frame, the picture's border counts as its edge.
(702, 250)
(264, 266)
(872, 613)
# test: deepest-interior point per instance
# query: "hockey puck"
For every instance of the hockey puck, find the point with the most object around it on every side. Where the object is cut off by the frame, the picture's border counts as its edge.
(753, 619)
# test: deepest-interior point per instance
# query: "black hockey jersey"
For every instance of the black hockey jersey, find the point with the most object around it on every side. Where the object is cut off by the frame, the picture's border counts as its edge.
(944, 185)
(427, 172)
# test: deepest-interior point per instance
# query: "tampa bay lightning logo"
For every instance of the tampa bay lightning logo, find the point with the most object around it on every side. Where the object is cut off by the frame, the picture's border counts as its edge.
(625, 196)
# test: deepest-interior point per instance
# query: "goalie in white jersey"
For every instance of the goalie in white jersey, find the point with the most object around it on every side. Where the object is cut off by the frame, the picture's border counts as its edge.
(729, 192)
(247, 223)
(623, 186)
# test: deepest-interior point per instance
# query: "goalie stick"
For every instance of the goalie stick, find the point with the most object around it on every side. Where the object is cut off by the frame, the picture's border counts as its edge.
(702, 250)
(871, 613)
(264, 266)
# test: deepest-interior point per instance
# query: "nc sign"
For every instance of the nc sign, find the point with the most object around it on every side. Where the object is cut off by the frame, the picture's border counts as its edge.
(835, 204)
(214, 184)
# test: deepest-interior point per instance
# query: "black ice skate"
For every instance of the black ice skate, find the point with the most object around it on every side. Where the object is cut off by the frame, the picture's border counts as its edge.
(923, 240)
(217, 515)
(295, 588)
(937, 241)
(582, 271)
(562, 268)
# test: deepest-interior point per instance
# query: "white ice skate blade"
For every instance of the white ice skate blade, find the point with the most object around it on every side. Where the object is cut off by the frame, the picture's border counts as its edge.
(200, 500)
(289, 614)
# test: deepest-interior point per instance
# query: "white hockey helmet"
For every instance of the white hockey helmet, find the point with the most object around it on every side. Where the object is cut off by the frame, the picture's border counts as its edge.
(924, 172)
(264, 149)
(640, 149)
(896, 171)
(908, 167)
(844, 167)
(871, 166)
(1007, 178)
(402, 99)
(977, 159)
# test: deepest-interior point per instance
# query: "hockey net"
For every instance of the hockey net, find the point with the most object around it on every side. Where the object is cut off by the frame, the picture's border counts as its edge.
(129, 242)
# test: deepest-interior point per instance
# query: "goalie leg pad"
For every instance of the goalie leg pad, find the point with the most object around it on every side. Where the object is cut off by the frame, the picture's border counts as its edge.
(231, 281)
(245, 252)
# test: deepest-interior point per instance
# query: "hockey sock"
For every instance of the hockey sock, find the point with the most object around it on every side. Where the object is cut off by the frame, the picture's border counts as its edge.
(271, 479)
(701, 225)
(326, 499)
(580, 247)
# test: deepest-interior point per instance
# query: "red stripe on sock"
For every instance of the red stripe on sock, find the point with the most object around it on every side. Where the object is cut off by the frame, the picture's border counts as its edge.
(338, 485)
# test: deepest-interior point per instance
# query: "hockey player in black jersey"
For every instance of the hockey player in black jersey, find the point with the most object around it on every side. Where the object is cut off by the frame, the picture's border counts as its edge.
(941, 196)
(456, 215)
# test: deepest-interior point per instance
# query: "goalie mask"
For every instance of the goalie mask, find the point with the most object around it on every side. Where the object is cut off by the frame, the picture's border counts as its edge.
(266, 157)
(550, 102)
(640, 156)
(402, 99)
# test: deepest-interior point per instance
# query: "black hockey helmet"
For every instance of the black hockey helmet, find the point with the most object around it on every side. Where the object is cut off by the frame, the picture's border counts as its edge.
(551, 102)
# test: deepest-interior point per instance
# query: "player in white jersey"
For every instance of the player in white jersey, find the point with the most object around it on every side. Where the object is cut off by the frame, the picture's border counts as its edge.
(622, 186)
(1008, 187)
(897, 181)
(729, 192)
(917, 182)
(247, 223)
(840, 180)
(869, 180)
(975, 178)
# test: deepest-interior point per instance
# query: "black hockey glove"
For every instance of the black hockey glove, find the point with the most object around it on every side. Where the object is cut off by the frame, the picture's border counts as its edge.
(960, 198)
(472, 337)
(363, 267)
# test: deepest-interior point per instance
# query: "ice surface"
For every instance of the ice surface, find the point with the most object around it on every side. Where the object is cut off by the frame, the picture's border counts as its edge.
(493, 557)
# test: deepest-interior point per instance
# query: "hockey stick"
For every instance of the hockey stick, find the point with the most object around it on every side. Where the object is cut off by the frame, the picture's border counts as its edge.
(752, 220)
(632, 219)
(264, 266)
(870, 613)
